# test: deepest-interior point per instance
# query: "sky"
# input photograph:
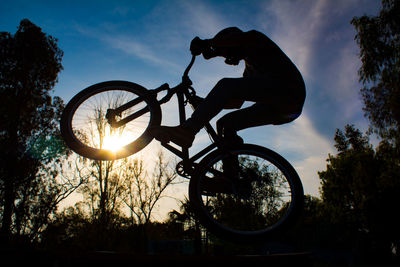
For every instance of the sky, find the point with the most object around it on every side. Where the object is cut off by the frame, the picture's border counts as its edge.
(147, 42)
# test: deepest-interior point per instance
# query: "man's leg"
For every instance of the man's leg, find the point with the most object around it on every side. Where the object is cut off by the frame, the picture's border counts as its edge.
(256, 89)
(228, 125)
(223, 92)
(255, 115)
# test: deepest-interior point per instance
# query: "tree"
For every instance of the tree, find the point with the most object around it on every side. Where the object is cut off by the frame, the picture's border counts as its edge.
(102, 190)
(348, 181)
(113, 185)
(31, 183)
(189, 223)
(104, 180)
(379, 41)
(144, 191)
(359, 189)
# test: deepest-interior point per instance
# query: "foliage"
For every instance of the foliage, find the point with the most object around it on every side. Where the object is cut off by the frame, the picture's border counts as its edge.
(31, 180)
(74, 229)
(361, 184)
(379, 41)
(187, 219)
(359, 188)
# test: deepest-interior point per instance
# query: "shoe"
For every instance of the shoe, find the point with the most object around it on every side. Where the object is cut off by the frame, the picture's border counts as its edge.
(179, 135)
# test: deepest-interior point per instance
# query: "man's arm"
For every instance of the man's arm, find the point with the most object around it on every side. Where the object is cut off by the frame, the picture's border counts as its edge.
(242, 39)
(212, 47)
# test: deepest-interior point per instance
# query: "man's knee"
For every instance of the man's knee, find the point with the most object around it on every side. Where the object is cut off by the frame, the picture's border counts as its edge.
(224, 86)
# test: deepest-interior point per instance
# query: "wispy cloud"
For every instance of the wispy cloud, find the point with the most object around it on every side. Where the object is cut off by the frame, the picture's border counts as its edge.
(300, 143)
(297, 24)
(301, 138)
(136, 48)
(201, 19)
(139, 50)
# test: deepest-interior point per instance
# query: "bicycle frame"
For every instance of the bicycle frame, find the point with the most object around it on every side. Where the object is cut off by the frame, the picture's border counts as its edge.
(185, 94)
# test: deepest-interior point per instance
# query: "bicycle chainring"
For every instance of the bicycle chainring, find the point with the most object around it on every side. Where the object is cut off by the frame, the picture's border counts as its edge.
(185, 169)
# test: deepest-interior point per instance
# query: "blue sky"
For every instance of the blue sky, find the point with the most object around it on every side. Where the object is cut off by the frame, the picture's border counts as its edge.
(147, 42)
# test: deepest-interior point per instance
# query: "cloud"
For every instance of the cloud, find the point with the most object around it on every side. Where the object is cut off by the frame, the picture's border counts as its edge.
(312, 148)
(297, 25)
(300, 143)
(201, 19)
(139, 50)
(129, 45)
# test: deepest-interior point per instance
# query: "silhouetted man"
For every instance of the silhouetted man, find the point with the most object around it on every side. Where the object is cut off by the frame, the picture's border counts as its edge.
(270, 79)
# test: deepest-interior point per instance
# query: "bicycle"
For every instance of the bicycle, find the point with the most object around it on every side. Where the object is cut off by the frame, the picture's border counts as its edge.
(238, 191)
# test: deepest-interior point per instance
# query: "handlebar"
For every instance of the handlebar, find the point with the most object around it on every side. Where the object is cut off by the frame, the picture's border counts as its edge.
(186, 82)
(186, 73)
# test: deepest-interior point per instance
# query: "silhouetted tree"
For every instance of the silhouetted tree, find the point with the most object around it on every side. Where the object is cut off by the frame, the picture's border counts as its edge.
(360, 190)
(379, 41)
(190, 224)
(143, 190)
(103, 188)
(32, 153)
(74, 229)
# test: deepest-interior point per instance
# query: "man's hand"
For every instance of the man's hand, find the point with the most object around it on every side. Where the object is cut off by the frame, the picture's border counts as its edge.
(197, 46)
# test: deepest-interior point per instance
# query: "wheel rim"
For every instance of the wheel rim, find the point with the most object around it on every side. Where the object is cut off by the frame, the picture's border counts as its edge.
(258, 200)
(90, 132)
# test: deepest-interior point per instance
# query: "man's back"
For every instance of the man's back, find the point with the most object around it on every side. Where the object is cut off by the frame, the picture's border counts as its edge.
(262, 56)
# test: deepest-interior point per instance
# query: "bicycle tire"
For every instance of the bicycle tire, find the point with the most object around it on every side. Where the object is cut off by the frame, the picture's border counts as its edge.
(93, 101)
(233, 214)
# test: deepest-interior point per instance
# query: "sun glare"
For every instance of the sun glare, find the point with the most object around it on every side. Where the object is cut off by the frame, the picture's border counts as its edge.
(115, 142)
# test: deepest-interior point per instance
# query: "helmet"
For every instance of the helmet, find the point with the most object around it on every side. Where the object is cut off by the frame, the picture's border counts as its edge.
(227, 32)
(232, 54)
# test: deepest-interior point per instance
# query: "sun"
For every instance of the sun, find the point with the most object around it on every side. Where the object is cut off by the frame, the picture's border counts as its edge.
(115, 142)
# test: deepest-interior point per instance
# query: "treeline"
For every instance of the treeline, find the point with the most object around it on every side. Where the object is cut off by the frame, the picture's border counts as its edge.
(360, 188)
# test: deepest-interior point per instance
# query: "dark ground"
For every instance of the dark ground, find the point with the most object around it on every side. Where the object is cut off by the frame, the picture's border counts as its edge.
(21, 257)
(76, 259)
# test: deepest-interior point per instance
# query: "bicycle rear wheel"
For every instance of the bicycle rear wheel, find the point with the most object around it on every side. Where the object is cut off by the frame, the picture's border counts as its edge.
(86, 130)
(247, 193)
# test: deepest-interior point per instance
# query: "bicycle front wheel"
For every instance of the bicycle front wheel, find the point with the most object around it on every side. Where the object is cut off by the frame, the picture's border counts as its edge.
(247, 193)
(86, 130)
